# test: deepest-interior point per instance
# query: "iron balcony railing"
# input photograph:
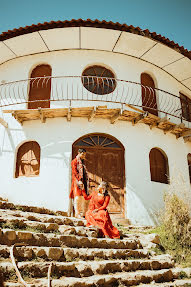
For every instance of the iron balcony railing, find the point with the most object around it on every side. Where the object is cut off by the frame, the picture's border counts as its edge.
(89, 89)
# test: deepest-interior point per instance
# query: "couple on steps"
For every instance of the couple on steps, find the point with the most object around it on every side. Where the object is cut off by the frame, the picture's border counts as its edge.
(97, 214)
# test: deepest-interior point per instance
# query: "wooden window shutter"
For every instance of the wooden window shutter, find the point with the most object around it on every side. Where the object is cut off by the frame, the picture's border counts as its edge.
(40, 87)
(149, 101)
(158, 166)
(186, 107)
(28, 159)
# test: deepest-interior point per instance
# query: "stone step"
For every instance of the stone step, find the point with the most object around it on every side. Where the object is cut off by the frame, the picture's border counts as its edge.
(136, 229)
(109, 280)
(120, 221)
(44, 218)
(8, 205)
(10, 237)
(71, 254)
(36, 226)
(145, 227)
(175, 283)
(82, 269)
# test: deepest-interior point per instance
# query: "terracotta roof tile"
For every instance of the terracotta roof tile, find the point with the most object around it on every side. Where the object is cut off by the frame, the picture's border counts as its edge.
(97, 24)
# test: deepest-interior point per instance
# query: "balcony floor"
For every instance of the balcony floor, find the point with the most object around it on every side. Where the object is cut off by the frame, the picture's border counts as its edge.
(135, 116)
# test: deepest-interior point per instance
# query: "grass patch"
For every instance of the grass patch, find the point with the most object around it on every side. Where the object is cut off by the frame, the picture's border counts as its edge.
(126, 230)
(13, 225)
(175, 223)
(182, 275)
(10, 276)
(19, 207)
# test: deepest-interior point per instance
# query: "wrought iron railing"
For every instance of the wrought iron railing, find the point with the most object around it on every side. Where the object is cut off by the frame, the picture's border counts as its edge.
(89, 89)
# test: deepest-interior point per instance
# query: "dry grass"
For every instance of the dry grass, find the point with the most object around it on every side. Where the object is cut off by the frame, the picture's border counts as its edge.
(175, 221)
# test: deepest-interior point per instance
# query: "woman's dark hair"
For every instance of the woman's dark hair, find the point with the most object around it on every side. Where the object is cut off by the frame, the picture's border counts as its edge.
(106, 184)
(81, 150)
(106, 192)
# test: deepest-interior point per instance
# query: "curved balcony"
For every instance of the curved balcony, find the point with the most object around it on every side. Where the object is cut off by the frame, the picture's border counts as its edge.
(89, 89)
(82, 96)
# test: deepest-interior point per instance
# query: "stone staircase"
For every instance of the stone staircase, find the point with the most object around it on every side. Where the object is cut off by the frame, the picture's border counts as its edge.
(51, 244)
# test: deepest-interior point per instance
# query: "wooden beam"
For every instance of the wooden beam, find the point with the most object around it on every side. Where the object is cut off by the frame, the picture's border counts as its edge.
(101, 107)
(168, 129)
(163, 121)
(7, 111)
(42, 116)
(115, 117)
(134, 108)
(139, 118)
(4, 123)
(153, 125)
(156, 118)
(187, 139)
(69, 115)
(14, 114)
(186, 133)
(177, 130)
(174, 129)
(179, 127)
(92, 115)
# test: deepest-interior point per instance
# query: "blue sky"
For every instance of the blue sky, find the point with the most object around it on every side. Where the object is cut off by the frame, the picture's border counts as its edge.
(170, 18)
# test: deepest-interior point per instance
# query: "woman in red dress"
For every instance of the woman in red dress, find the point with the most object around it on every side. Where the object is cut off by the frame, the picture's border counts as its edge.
(97, 214)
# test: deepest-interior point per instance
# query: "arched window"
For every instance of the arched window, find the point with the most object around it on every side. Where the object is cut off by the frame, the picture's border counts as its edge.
(28, 159)
(158, 166)
(149, 102)
(186, 107)
(189, 165)
(40, 87)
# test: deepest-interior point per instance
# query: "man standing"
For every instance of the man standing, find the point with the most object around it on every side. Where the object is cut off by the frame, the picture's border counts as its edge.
(80, 181)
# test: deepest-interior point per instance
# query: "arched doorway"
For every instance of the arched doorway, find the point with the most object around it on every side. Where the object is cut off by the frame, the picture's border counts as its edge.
(105, 161)
(40, 87)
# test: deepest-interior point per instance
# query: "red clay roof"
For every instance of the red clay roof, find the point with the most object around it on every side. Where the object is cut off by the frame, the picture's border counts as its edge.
(97, 24)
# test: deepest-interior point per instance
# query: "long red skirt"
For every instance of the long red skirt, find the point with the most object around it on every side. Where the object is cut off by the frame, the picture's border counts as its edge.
(102, 220)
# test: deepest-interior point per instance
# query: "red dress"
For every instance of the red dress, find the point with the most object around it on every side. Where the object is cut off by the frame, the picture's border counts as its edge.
(100, 218)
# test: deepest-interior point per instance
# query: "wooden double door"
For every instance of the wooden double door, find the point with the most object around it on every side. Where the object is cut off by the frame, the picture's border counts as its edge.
(105, 161)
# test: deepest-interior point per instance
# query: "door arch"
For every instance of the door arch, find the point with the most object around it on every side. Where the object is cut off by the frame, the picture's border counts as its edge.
(105, 161)
(40, 88)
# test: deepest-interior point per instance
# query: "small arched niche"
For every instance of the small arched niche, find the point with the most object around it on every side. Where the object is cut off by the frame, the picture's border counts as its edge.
(28, 159)
(149, 101)
(159, 169)
(40, 87)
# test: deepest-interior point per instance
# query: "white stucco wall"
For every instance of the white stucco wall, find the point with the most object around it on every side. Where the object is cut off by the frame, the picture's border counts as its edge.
(73, 62)
(56, 136)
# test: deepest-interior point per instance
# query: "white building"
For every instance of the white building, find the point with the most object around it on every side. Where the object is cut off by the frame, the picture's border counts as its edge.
(120, 92)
